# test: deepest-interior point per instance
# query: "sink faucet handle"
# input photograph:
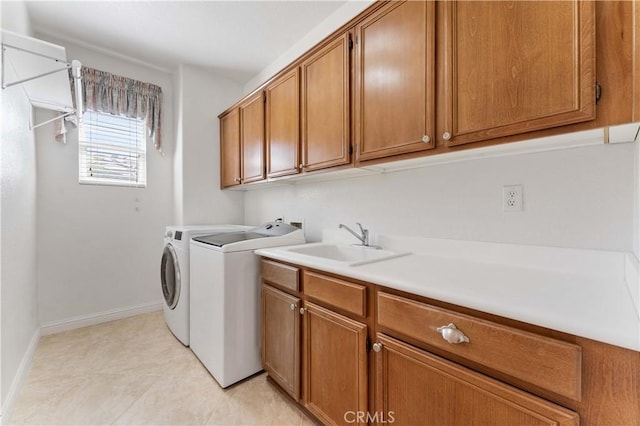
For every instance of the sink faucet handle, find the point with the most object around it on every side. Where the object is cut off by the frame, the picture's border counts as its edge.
(365, 234)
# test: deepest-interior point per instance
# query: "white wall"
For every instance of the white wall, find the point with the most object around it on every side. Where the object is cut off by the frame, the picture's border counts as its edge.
(18, 288)
(178, 179)
(203, 97)
(99, 247)
(580, 197)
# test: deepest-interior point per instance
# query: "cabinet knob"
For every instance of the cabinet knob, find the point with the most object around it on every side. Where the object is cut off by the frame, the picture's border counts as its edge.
(302, 311)
(292, 306)
(426, 139)
(451, 334)
(238, 180)
(301, 166)
(377, 347)
(446, 136)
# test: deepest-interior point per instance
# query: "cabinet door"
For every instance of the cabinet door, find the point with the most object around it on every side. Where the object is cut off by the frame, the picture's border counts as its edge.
(514, 67)
(415, 387)
(230, 149)
(252, 137)
(394, 71)
(325, 106)
(283, 128)
(334, 365)
(281, 339)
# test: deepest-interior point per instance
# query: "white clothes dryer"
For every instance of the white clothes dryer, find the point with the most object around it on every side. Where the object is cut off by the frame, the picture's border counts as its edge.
(225, 310)
(174, 273)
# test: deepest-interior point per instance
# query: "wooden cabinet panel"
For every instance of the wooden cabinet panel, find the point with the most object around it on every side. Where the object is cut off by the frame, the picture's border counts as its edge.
(635, 74)
(252, 138)
(611, 385)
(557, 365)
(515, 67)
(325, 106)
(282, 275)
(415, 387)
(281, 339)
(334, 365)
(335, 292)
(283, 125)
(230, 149)
(394, 72)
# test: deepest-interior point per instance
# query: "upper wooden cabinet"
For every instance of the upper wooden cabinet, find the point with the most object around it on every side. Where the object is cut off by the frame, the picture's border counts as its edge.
(515, 67)
(394, 80)
(252, 138)
(325, 106)
(283, 124)
(230, 148)
(431, 77)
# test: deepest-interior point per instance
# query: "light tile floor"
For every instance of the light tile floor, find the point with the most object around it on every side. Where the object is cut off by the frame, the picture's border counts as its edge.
(134, 371)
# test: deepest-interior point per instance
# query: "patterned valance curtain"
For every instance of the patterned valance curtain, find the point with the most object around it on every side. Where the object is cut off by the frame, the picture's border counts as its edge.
(114, 94)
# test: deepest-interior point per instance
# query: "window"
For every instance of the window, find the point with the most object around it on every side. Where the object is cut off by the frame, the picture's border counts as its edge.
(112, 150)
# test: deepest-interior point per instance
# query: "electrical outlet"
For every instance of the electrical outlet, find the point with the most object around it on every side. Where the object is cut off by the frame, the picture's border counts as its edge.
(512, 199)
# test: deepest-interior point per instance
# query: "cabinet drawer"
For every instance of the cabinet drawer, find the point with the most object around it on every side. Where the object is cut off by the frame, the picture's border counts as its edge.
(338, 293)
(284, 276)
(416, 385)
(541, 361)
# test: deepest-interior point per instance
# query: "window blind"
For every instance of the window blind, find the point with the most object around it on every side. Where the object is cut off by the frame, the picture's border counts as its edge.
(112, 150)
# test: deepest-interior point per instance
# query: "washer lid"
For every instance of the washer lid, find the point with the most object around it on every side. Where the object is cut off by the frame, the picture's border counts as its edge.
(269, 229)
(220, 240)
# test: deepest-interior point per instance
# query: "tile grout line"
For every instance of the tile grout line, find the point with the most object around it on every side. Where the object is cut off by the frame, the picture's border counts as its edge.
(158, 378)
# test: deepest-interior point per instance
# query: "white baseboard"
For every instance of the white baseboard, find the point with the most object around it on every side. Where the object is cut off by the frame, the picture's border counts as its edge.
(98, 318)
(19, 378)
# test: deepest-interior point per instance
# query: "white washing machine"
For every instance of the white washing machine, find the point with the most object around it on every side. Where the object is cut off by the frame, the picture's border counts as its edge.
(225, 298)
(174, 273)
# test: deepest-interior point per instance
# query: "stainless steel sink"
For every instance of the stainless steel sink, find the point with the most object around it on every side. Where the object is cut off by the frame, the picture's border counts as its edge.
(344, 254)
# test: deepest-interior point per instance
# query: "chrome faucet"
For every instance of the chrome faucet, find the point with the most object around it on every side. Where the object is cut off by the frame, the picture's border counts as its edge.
(364, 238)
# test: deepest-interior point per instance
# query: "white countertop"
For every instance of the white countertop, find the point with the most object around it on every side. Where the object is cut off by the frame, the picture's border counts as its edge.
(588, 293)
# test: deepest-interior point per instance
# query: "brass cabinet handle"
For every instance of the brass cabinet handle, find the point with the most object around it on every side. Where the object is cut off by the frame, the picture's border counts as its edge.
(451, 334)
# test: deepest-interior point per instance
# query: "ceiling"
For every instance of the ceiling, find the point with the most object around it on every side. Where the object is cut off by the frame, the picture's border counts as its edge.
(235, 39)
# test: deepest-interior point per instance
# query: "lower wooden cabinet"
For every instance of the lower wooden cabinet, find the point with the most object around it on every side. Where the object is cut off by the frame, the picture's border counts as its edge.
(317, 330)
(416, 387)
(334, 365)
(281, 339)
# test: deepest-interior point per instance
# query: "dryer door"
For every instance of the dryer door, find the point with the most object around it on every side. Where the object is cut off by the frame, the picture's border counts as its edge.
(170, 276)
